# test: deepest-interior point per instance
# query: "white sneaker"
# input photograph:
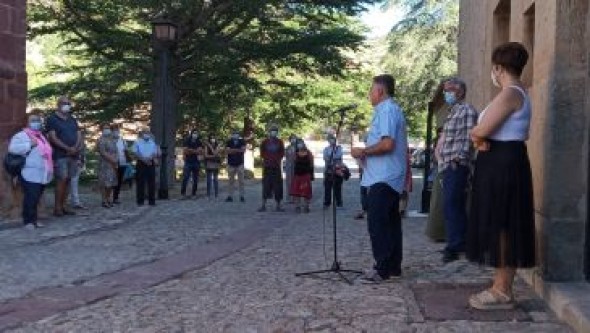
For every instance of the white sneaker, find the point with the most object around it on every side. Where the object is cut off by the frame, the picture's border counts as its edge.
(30, 226)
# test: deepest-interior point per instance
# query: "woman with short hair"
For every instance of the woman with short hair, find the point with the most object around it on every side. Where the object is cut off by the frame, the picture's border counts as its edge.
(37, 170)
(501, 232)
(108, 165)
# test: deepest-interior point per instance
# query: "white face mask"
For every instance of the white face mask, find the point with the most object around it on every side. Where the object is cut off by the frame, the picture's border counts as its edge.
(146, 136)
(274, 134)
(66, 108)
(495, 80)
(195, 136)
(106, 131)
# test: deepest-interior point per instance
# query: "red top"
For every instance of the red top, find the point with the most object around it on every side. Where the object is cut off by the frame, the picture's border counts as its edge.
(272, 151)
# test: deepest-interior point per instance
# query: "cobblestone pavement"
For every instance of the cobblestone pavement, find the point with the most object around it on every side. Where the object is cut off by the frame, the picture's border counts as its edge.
(224, 268)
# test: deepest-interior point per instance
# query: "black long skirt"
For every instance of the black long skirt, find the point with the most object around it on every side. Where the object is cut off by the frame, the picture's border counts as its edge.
(501, 228)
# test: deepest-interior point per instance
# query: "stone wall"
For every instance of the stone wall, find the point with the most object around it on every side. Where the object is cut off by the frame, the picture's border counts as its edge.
(557, 78)
(13, 76)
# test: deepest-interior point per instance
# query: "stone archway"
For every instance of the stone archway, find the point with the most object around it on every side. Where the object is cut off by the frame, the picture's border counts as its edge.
(13, 76)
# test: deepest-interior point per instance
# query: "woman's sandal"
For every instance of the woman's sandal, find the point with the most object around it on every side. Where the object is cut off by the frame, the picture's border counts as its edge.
(491, 300)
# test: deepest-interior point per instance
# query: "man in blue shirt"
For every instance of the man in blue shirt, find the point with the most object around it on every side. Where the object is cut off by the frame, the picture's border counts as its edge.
(384, 174)
(236, 147)
(333, 180)
(66, 139)
(193, 149)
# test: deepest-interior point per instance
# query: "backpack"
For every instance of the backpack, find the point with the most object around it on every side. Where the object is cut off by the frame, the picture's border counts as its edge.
(14, 164)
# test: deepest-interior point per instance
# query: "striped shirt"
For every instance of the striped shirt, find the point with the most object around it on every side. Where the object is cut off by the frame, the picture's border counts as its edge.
(457, 140)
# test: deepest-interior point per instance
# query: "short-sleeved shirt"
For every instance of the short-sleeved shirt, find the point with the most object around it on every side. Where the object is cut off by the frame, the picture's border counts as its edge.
(457, 139)
(388, 121)
(66, 130)
(338, 155)
(191, 143)
(235, 159)
(145, 149)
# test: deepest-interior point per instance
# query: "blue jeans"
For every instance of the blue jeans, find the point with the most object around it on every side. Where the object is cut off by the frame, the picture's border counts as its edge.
(385, 229)
(213, 182)
(31, 195)
(190, 169)
(454, 200)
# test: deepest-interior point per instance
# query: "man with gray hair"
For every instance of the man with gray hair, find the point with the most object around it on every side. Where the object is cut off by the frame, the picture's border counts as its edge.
(455, 161)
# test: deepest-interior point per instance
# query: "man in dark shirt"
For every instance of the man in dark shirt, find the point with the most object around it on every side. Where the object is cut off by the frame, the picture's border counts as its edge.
(193, 148)
(272, 151)
(236, 147)
(66, 140)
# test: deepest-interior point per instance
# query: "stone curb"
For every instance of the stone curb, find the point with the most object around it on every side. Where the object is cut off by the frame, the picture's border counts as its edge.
(569, 300)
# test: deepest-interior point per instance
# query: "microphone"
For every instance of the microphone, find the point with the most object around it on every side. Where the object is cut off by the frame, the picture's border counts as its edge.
(343, 109)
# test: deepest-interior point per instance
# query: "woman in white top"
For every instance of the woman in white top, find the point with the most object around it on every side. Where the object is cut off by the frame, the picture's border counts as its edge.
(38, 169)
(501, 230)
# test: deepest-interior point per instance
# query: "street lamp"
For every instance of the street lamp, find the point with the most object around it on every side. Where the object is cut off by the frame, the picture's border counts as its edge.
(164, 34)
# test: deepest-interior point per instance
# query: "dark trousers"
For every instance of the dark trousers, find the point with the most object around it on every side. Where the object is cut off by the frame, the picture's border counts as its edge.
(190, 170)
(364, 195)
(385, 229)
(117, 189)
(332, 183)
(272, 184)
(454, 201)
(213, 182)
(146, 176)
(32, 193)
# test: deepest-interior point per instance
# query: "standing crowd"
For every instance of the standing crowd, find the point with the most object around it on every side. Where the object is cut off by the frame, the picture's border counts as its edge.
(480, 155)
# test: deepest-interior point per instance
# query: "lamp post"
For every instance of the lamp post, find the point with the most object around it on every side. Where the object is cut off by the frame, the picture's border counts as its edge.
(426, 190)
(164, 34)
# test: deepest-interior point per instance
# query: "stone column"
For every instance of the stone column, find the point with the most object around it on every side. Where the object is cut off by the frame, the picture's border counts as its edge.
(13, 76)
(561, 210)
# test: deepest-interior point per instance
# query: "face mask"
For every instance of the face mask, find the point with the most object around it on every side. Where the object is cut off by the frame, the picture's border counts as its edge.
(106, 131)
(293, 141)
(450, 98)
(35, 125)
(495, 80)
(66, 108)
(274, 134)
(332, 141)
(145, 136)
(116, 134)
(195, 136)
(300, 146)
(235, 136)
(212, 140)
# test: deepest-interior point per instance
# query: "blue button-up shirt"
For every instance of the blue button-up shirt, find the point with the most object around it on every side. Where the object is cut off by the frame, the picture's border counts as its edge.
(388, 121)
(145, 149)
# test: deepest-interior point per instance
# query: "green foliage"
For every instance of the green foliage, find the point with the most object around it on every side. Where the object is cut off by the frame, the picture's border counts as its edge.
(262, 58)
(422, 52)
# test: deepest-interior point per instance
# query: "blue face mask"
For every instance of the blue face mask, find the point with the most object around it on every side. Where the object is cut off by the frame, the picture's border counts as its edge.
(450, 98)
(35, 125)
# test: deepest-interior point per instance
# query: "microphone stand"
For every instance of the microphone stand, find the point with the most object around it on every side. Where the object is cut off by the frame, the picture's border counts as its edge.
(336, 266)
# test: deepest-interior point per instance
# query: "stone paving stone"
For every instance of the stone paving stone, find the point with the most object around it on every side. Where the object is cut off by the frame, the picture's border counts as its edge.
(255, 289)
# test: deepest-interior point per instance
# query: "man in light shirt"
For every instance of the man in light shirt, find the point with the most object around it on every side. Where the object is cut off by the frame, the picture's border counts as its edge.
(147, 154)
(384, 174)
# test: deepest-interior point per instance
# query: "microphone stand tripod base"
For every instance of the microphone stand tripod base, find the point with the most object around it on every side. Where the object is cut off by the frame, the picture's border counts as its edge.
(336, 268)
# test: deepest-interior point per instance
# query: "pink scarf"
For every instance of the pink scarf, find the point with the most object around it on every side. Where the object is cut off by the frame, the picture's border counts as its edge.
(44, 148)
